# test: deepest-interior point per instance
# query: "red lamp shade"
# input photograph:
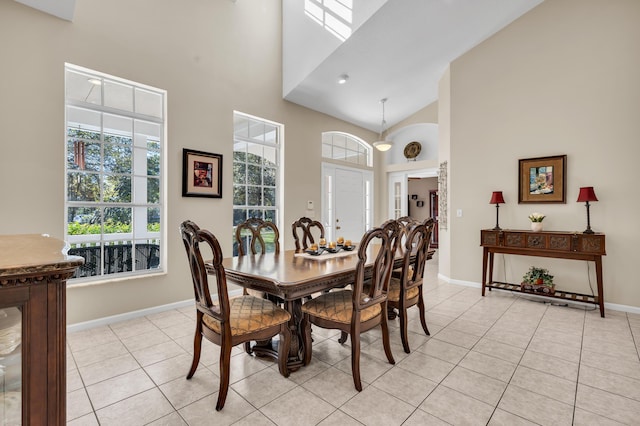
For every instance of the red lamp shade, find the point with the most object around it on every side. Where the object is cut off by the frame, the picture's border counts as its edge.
(586, 194)
(496, 197)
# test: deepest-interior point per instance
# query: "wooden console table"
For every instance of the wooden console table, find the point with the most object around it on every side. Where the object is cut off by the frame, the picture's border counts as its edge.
(560, 245)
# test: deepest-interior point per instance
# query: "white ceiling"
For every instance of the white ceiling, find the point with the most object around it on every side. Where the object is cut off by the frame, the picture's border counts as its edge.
(398, 49)
(398, 53)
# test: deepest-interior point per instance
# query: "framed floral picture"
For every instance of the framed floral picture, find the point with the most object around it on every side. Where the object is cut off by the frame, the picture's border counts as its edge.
(201, 174)
(542, 179)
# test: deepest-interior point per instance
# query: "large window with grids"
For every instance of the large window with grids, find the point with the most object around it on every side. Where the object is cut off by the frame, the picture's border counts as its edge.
(256, 172)
(114, 174)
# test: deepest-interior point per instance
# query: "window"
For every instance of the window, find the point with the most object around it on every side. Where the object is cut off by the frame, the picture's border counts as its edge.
(346, 147)
(256, 171)
(114, 174)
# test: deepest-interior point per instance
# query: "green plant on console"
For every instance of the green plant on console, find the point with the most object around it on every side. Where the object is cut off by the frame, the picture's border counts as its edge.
(537, 275)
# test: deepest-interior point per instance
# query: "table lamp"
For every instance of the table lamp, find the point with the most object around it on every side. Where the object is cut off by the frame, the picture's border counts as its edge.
(497, 199)
(587, 194)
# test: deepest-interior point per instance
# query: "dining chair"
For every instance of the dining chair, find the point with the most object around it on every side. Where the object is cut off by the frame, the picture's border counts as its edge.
(407, 290)
(306, 227)
(233, 321)
(257, 233)
(355, 311)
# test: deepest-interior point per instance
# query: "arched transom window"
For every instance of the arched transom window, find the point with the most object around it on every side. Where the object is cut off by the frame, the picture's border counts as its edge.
(346, 147)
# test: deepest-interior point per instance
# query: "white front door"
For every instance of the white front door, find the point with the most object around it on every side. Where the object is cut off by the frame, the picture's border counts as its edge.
(347, 202)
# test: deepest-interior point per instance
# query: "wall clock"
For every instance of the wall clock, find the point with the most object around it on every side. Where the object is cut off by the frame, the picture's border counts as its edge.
(412, 150)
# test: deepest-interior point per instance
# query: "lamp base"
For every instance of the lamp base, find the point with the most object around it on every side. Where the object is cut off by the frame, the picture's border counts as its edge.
(588, 231)
(497, 228)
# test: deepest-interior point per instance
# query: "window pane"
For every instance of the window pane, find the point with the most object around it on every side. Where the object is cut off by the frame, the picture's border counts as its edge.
(270, 156)
(117, 158)
(117, 189)
(92, 254)
(117, 220)
(269, 176)
(147, 255)
(239, 216)
(117, 129)
(83, 155)
(83, 187)
(153, 191)
(239, 195)
(256, 213)
(118, 257)
(254, 175)
(253, 196)
(148, 103)
(83, 87)
(270, 215)
(153, 219)
(269, 197)
(153, 163)
(83, 221)
(239, 173)
(118, 95)
(254, 154)
(240, 126)
(270, 134)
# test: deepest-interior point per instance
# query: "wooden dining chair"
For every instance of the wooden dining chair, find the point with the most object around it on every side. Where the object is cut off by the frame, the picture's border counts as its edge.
(355, 311)
(230, 322)
(407, 290)
(257, 234)
(303, 230)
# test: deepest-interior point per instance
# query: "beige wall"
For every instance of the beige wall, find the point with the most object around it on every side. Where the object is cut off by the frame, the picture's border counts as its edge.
(562, 79)
(212, 57)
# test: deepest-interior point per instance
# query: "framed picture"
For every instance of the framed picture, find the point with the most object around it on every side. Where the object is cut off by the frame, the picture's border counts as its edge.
(420, 203)
(201, 174)
(542, 180)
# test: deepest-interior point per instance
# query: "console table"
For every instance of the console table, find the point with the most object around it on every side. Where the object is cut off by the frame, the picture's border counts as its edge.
(560, 245)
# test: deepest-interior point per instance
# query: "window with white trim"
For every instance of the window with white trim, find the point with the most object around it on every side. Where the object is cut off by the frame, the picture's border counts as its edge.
(346, 147)
(114, 174)
(256, 172)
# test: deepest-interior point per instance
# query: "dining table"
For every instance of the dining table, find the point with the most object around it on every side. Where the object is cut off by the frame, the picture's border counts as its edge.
(293, 277)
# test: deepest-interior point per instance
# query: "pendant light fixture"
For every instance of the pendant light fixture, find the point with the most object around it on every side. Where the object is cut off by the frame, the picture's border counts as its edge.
(382, 144)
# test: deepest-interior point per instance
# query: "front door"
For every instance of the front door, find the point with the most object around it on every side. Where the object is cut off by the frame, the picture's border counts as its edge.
(349, 192)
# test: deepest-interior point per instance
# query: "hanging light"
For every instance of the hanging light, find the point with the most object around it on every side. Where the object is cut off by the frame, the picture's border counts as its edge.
(382, 144)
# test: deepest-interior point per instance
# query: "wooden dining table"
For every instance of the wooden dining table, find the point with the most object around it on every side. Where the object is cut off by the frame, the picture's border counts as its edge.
(293, 277)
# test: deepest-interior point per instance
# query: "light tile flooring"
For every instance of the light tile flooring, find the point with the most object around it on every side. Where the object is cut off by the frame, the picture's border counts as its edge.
(497, 360)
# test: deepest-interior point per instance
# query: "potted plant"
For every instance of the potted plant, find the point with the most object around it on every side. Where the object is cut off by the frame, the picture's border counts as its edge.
(536, 221)
(538, 280)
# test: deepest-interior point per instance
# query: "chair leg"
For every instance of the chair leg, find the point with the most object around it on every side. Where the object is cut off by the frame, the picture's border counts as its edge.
(283, 349)
(402, 313)
(225, 368)
(355, 360)
(247, 348)
(385, 335)
(306, 331)
(197, 346)
(343, 337)
(423, 319)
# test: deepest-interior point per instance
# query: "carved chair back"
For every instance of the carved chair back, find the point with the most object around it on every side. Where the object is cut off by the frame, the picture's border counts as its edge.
(302, 232)
(256, 229)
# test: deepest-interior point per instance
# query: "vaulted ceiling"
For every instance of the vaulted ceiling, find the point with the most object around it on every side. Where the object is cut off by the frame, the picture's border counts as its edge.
(393, 49)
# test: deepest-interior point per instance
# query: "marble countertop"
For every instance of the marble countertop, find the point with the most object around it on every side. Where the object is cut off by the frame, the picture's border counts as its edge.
(29, 253)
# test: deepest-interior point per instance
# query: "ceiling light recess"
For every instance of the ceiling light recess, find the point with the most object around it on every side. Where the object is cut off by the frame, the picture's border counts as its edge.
(343, 79)
(382, 144)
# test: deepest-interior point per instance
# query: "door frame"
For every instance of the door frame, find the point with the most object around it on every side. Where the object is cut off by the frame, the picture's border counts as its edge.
(403, 178)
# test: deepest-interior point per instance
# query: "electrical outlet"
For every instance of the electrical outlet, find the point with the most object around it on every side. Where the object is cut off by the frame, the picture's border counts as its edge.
(459, 212)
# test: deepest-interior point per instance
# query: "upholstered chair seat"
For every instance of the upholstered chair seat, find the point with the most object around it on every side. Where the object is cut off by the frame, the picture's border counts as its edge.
(337, 306)
(249, 314)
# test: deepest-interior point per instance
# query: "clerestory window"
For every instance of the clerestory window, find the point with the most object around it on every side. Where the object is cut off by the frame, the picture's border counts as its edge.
(115, 144)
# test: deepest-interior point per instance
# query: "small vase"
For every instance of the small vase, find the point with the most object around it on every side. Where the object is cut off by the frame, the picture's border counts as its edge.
(536, 226)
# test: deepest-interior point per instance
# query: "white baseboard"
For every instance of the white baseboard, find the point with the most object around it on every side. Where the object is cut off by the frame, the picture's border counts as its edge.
(136, 314)
(612, 306)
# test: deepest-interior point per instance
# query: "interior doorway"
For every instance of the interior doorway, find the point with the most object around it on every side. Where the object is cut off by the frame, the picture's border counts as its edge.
(423, 201)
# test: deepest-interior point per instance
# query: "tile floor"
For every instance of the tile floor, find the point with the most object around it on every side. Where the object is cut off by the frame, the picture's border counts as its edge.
(497, 360)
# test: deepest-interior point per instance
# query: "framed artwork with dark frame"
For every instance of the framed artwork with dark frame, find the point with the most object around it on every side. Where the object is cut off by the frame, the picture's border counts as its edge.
(201, 174)
(542, 179)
